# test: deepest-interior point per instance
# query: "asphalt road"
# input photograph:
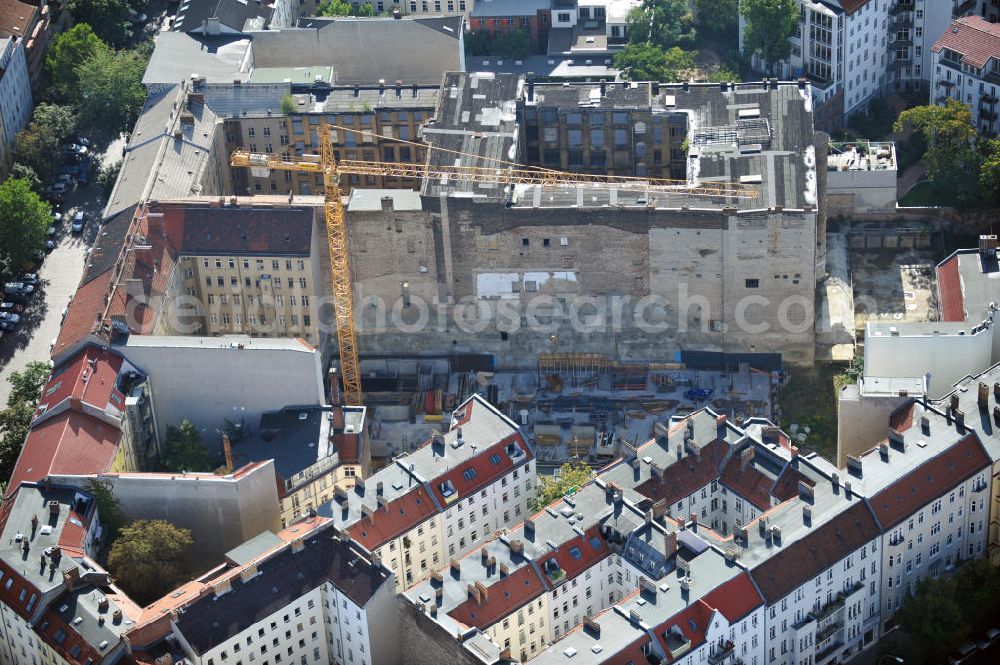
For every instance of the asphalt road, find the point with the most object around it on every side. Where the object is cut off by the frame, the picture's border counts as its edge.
(60, 274)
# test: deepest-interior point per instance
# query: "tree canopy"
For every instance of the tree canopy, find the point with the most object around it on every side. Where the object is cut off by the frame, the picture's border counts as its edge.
(943, 613)
(949, 135)
(185, 450)
(67, 51)
(767, 26)
(989, 172)
(111, 90)
(109, 18)
(24, 220)
(149, 558)
(648, 62)
(108, 509)
(551, 488)
(26, 388)
(718, 16)
(665, 23)
(37, 146)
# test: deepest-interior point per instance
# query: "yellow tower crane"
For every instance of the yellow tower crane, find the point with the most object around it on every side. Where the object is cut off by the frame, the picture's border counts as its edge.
(507, 173)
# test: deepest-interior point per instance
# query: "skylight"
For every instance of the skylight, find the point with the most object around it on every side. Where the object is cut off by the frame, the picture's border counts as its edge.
(575, 553)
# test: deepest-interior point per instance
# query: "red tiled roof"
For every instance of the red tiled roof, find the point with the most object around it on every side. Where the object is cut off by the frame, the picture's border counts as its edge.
(70, 443)
(809, 556)
(692, 622)
(976, 39)
(203, 228)
(950, 291)
(930, 480)
(749, 483)
(787, 485)
(16, 18)
(506, 596)
(395, 518)
(483, 468)
(851, 6)
(735, 599)
(90, 376)
(84, 310)
(591, 547)
(686, 475)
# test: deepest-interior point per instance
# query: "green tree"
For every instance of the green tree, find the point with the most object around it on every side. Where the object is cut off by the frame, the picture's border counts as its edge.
(512, 44)
(149, 558)
(933, 619)
(26, 385)
(108, 175)
(768, 26)
(724, 75)
(570, 474)
(65, 54)
(977, 587)
(718, 16)
(949, 135)
(108, 508)
(989, 172)
(334, 8)
(25, 172)
(185, 451)
(288, 105)
(111, 90)
(37, 145)
(24, 220)
(14, 423)
(109, 18)
(25, 390)
(365, 10)
(647, 62)
(664, 23)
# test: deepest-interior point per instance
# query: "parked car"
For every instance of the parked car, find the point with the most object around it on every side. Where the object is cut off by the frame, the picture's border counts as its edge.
(13, 307)
(57, 190)
(66, 179)
(56, 218)
(18, 288)
(964, 653)
(10, 317)
(136, 17)
(75, 149)
(79, 221)
(988, 639)
(52, 231)
(30, 278)
(50, 244)
(7, 326)
(83, 171)
(83, 140)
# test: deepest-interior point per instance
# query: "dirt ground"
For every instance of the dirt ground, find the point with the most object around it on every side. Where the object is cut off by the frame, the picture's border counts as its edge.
(894, 286)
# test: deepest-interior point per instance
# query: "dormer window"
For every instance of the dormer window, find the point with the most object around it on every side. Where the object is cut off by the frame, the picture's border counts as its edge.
(447, 489)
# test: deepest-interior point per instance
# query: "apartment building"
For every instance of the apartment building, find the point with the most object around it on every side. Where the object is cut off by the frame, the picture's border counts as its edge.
(64, 606)
(443, 499)
(28, 25)
(249, 268)
(967, 69)
(15, 98)
(304, 594)
(315, 450)
(367, 123)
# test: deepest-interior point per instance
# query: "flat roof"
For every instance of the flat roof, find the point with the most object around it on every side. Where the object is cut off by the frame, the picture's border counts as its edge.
(294, 442)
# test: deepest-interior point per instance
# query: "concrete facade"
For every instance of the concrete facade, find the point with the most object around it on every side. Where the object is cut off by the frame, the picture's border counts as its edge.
(15, 98)
(206, 380)
(221, 511)
(861, 178)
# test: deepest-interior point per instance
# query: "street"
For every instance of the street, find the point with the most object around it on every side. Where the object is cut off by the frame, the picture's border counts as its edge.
(60, 274)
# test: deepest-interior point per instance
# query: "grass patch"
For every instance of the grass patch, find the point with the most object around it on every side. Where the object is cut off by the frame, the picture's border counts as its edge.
(810, 399)
(925, 193)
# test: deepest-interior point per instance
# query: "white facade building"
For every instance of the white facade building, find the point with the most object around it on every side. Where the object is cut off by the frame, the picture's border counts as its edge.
(967, 68)
(15, 98)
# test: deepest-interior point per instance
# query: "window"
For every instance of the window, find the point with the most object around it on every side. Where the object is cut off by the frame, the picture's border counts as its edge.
(753, 283)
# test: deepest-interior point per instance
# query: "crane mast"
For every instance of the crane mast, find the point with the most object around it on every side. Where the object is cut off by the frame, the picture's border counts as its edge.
(509, 174)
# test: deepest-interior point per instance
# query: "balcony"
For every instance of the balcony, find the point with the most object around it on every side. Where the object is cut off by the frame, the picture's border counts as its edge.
(903, 21)
(901, 6)
(988, 100)
(945, 83)
(721, 653)
(827, 610)
(828, 632)
(988, 115)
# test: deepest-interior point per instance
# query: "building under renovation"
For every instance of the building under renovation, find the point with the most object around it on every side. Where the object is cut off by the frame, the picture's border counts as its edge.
(633, 273)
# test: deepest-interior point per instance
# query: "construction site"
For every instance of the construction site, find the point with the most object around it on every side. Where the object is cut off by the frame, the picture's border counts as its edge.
(572, 407)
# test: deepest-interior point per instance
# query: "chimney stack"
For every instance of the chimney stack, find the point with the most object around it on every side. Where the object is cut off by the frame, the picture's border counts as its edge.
(953, 401)
(529, 529)
(670, 545)
(984, 396)
(227, 448)
(959, 420)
